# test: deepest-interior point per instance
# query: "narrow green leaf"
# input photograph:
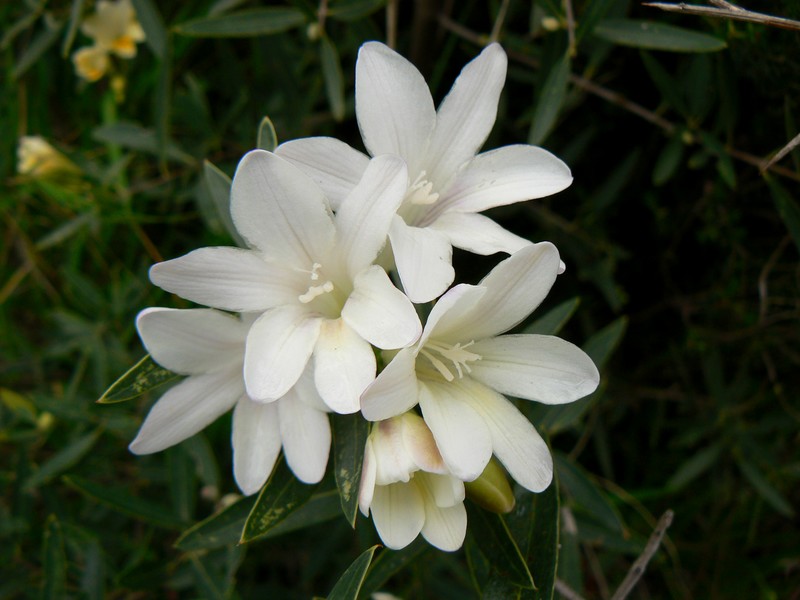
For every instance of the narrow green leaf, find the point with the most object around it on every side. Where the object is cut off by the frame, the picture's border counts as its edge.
(205, 580)
(787, 209)
(281, 495)
(40, 44)
(588, 498)
(350, 582)
(140, 378)
(136, 137)
(54, 561)
(125, 501)
(543, 554)
(668, 161)
(552, 321)
(602, 344)
(218, 185)
(162, 103)
(153, 25)
(332, 75)
(349, 438)
(551, 98)
(74, 22)
(690, 470)
(390, 562)
(765, 489)
(267, 137)
(592, 13)
(352, 10)
(62, 460)
(611, 189)
(245, 23)
(225, 527)
(656, 36)
(182, 482)
(493, 537)
(668, 87)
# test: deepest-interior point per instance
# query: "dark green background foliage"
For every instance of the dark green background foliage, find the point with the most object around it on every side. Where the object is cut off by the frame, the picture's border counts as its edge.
(684, 259)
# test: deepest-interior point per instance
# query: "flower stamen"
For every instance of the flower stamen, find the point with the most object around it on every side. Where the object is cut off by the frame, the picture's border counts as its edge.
(315, 290)
(420, 191)
(455, 353)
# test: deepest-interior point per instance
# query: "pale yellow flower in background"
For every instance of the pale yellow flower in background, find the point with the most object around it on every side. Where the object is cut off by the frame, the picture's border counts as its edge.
(38, 159)
(115, 30)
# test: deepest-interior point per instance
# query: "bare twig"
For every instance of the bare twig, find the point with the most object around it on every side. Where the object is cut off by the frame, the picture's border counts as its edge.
(793, 143)
(391, 23)
(567, 592)
(639, 566)
(726, 10)
(572, 48)
(498, 22)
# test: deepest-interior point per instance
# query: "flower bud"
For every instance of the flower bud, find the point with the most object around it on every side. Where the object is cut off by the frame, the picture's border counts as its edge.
(491, 490)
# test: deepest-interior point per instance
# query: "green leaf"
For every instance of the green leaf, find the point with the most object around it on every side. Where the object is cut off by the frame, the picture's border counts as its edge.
(349, 439)
(787, 209)
(765, 489)
(74, 22)
(153, 25)
(281, 495)
(543, 554)
(552, 322)
(669, 88)
(267, 138)
(551, 98)
(205, 580)
(62, 460)
(218, 185)
(40, 44)
(54, 561)
(246, 23)
(690, 470)
(493, 537)
(390, 562)
(588, 498)
(125, 501)
(350, 582)
(602, 344)
(652, 35)
(332, 75)
(225, 527)
(136, 137)
(668, 161)
(352, 10)
(140, 378)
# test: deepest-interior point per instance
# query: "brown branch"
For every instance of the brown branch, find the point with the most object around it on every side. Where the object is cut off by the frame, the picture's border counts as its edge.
(572, 48)
(498, 22)
(726, 10)
(638, 568)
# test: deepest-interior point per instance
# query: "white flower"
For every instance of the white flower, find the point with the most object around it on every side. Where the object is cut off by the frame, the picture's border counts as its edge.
(208, 347)
(406, 486)
(449, 184)
(37, 158)
(114, 28)
(309, 273)
(459, 369)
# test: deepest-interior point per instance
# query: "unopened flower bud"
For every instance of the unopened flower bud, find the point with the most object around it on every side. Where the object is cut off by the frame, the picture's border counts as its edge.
(491, 490)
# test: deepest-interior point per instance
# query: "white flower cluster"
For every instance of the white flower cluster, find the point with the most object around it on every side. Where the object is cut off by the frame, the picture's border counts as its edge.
(326, 228)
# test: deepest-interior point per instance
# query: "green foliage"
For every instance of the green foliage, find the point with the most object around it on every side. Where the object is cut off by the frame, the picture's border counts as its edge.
(681, 254)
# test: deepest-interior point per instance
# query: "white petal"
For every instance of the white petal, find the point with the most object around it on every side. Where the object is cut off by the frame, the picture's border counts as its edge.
(256, 443)
(460, 433)
(232, 279)
(515, 441)
(306, 436)
(280, 210)
(478, 234)
(187, 408)
(420, 445)
(445, 527)
(504, 176)
(306, 390)
(344, 365)
(394, 390)
(514, 288)
(192, 341)
(424, 260)
(363, 220)
(467, 114)
(448, 312)
(379, 312)
(398, 513)
(537, 367)
(278, 347)
(369, 470)
(332, 164)
(394, 463)
(445, 489)
(393, 104)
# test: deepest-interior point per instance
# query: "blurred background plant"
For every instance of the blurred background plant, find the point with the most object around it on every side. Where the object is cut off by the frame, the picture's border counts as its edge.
(682, 254)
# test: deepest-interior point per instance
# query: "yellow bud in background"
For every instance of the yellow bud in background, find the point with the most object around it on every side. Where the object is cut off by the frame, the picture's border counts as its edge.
(491, 490)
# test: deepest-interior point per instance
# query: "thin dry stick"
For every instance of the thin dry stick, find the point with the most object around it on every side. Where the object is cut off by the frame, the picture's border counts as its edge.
(611, 96)
(572, 47)
(793, 143)
(726, 10)
(391, 23)
(498, 22)
(638, 568)
(566, 591)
